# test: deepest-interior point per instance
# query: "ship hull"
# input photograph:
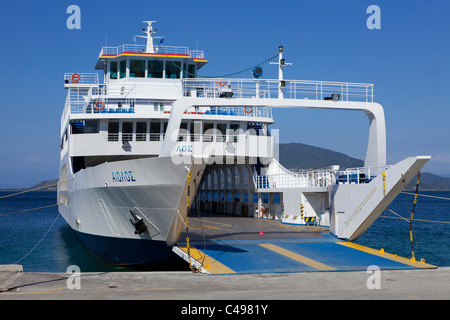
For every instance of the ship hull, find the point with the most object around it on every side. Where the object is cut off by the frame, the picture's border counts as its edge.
(127, 251)
(102, 205)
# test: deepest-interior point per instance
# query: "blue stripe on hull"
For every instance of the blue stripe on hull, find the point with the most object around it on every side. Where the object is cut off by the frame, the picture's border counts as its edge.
(128, 252)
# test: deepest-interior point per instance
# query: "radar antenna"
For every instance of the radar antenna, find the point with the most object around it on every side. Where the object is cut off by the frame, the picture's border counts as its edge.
(149, 31)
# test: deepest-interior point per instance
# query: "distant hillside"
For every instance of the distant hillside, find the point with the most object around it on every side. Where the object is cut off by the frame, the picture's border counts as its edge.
(431, 182)
(302, 156)
(50, 183)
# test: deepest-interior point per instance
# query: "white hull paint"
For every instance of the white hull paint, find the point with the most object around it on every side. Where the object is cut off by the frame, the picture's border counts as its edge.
(99, 199)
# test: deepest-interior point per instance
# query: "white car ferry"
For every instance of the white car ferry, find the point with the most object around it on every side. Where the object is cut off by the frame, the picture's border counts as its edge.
(137, 146)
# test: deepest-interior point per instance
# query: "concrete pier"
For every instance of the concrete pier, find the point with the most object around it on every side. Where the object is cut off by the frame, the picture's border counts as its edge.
(393, 284)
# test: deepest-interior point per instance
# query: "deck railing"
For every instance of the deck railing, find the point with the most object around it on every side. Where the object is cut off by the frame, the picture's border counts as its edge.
(318, 178)
(81, 78)
(85, 91)
(139, 48)
(292, 89)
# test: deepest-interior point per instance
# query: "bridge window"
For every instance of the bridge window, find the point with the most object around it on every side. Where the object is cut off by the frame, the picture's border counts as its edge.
(234, 133)
(221, 132)
(113, 70)
(173, 69)
(155, 130)
(155, 69)
(91, 126)
(208, 132)
(137, 68)
(183, 132)
(191, 71)
(141, 131)
(123, 69)
(127, 131)
(113, 131)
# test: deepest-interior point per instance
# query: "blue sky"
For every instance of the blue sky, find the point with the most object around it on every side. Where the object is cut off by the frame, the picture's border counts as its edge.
(407, 60)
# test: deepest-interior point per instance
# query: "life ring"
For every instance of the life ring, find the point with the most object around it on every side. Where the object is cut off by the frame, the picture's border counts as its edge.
(248, 110)
(99, 108)
(221, 83)
(75, 78)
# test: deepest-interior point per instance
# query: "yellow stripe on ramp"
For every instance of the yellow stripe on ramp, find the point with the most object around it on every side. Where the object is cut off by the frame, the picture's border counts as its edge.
(297, 257)
(209, 263)
(416, 264)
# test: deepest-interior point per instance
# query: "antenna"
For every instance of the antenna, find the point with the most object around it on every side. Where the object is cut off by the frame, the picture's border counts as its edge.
(149, 31)
(281, 64)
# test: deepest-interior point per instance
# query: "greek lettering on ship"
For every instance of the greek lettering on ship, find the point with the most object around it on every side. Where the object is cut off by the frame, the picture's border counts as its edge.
(123, 176)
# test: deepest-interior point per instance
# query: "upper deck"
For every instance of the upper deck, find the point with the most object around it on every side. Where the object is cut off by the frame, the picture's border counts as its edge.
(87, 95)
(145, 80)
(136, 50)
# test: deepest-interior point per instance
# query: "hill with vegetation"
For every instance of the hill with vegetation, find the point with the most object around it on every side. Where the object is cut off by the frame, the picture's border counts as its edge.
(302, 156)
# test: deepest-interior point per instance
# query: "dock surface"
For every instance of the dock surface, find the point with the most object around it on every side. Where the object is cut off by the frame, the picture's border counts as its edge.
(394, 284)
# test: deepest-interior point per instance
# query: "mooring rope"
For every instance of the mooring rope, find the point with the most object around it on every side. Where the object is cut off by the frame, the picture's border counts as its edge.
(405, 219)
(29, 190)
(43, 207)
(426, 195)
(37, 244)
(411, 230)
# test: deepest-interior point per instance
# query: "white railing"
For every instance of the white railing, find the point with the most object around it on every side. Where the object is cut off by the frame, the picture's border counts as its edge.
(81, 98)
(255, 112)
(319, 178)
(293, 89)
(197, 54)
(359, 175)
(139, 48)
(112, 137)
(81, 78)
(296, 180)
(182, 137)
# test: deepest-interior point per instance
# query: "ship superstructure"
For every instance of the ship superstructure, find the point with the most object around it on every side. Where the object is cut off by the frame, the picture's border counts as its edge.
(137, 147)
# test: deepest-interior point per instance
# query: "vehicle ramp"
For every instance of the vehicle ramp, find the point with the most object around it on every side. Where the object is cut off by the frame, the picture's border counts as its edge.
(239, 245)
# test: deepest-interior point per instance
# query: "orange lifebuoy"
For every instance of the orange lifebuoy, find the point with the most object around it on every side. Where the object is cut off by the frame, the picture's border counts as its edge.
(75, 78)
(248, 110)
(99, 108)
(221, 83)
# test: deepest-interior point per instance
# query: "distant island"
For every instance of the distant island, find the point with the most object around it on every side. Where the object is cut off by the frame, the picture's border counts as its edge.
(47, 185)
(298, 156)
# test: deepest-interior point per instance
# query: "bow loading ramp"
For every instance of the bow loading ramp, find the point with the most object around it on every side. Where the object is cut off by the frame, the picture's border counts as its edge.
(221, 244)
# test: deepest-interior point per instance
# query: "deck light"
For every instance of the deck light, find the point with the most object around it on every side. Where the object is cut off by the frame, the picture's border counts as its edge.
(335, 96)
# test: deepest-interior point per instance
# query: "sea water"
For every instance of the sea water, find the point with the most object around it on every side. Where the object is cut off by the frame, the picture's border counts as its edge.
(431, 240)
(59, 248)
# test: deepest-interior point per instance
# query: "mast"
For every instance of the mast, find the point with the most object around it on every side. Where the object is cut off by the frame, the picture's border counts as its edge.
(281, 64)
(149, 36)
